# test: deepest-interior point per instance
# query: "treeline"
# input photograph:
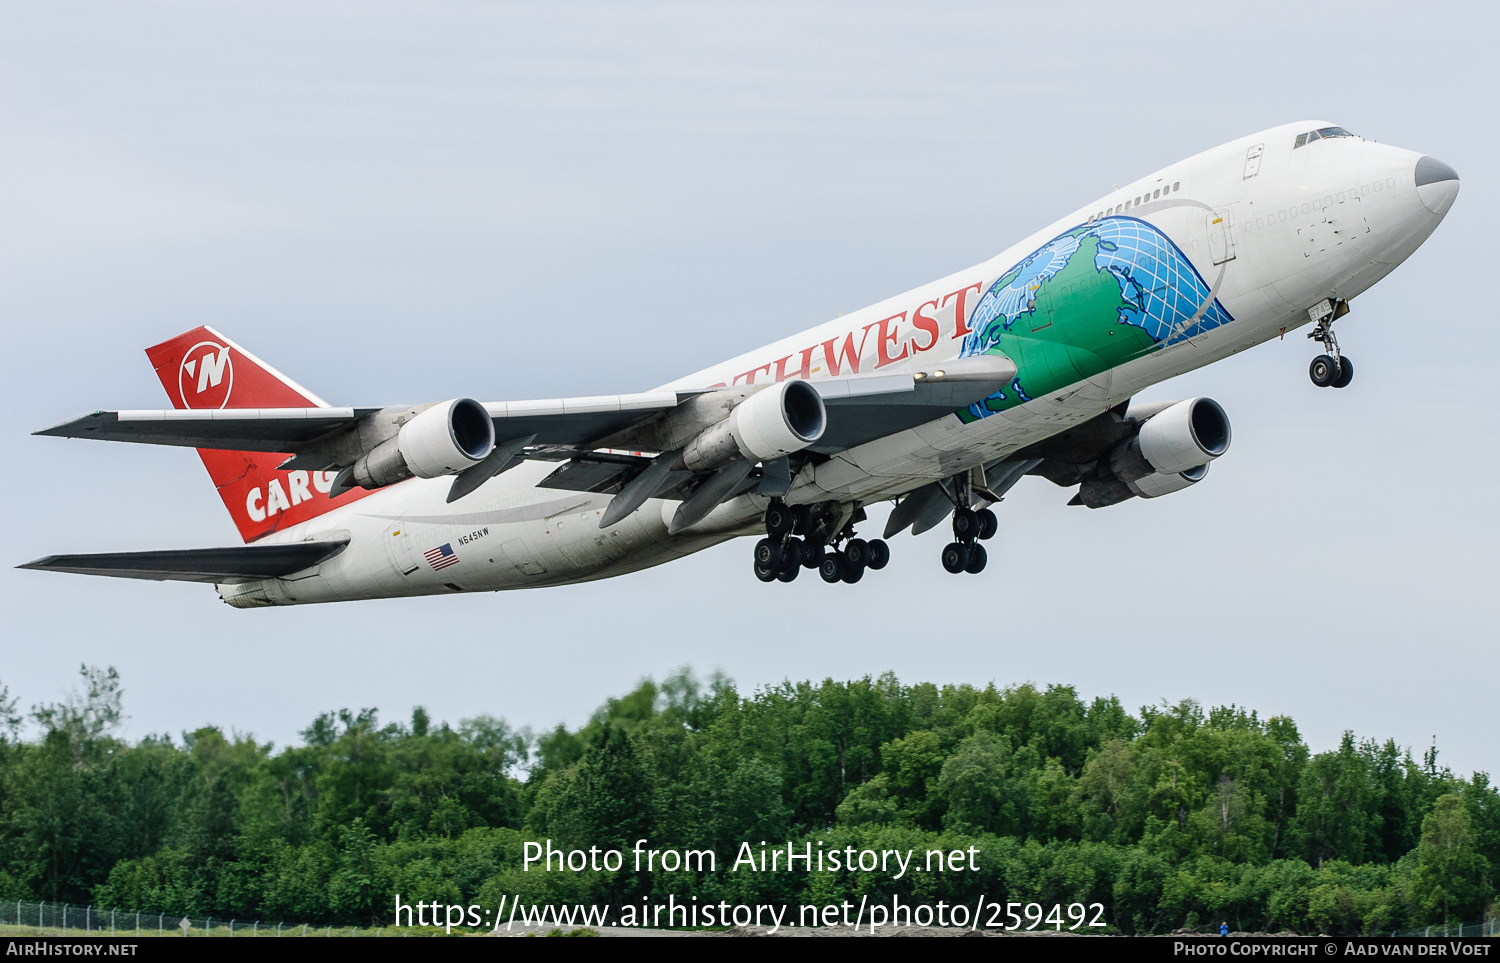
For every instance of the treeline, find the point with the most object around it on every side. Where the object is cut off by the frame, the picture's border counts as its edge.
(1170, 817)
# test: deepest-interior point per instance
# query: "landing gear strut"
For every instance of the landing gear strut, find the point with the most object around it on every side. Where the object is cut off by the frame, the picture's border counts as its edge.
(964, 553)
(781, 555)
(1332, 369)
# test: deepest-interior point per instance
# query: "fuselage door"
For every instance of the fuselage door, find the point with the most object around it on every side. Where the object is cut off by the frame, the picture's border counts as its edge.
(1252, 160)
(1220, 236)
(402, 549)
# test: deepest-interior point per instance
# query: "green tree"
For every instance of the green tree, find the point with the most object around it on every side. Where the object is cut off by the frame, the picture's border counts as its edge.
(1451, 880)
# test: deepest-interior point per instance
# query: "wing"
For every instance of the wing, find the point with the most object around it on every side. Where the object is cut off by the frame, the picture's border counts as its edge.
(241, 563)
(560, 421)
(860, 408)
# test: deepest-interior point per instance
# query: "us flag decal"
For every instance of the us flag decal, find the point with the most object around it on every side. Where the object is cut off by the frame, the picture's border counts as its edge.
(441, 557)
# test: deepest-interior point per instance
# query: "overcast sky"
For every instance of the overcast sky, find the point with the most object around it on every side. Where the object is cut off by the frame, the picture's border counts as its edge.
(408, 202)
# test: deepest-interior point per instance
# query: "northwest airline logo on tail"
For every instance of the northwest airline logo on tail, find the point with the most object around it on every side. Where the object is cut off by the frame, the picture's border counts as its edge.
(206, 376)
(198, 370)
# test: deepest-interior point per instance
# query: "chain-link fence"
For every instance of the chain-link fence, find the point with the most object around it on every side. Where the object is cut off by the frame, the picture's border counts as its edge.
(1490, 927)
(65, 919)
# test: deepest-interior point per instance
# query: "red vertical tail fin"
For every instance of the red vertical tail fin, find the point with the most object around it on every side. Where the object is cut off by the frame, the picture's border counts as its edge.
(203, 369)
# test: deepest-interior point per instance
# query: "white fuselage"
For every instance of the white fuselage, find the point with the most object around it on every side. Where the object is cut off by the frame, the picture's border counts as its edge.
(1274, 232)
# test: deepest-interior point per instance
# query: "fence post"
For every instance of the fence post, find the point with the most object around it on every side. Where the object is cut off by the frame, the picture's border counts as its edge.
(255, 930)
(88, 919)
(304, 929)
(137, 922)
(231, 927)
(160, 929)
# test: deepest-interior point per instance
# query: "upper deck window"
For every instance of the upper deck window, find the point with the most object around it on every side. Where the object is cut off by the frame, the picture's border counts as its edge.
(1320, 134)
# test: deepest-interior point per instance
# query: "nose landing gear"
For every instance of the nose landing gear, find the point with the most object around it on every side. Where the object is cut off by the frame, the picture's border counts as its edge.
(1330, 370)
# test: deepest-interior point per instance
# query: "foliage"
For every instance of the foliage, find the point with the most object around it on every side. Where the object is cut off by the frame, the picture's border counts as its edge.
(1168, 817)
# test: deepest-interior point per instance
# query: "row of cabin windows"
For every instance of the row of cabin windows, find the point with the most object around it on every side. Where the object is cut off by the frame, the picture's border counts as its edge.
(1325, 204)
(1320, 134)
(1143, 199)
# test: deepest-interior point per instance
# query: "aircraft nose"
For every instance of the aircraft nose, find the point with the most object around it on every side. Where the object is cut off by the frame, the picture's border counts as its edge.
(1437, 184)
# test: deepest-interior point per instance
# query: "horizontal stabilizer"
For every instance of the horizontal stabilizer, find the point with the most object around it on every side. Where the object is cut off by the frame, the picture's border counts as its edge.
(241, 563)
(229, 429)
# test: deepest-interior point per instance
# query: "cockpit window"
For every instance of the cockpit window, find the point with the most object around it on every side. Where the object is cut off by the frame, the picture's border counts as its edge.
(1319, 134)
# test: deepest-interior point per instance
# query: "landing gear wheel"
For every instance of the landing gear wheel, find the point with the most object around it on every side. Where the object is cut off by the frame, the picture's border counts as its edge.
(768, 553)
(788, 573)
(857, 553)
(988, 524)
(880, 554)
(791, 553)
(977, 557)
(801, 520)
(831, 568)
(764, 573)
(812, 554)
(853, 573)
(955, 557)
(1323, 371)
(778, 520)
(965, 524)
(1346, 372)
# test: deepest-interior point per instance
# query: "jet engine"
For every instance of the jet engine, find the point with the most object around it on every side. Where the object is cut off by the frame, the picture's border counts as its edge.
(773, 422)
(1186, 435)
(443, 439)
(1170, 452)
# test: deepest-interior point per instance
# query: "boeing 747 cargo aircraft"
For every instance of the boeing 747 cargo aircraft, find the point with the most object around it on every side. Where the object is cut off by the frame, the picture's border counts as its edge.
(940, 399)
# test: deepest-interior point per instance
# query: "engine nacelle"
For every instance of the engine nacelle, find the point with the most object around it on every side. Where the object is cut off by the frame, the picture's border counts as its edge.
(441, 440)
(1101, 492)
(773, 422)
(1187, 435)
(1154, 486)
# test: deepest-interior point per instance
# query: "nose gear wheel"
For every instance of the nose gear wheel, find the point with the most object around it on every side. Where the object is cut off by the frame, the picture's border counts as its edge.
(1330, 369)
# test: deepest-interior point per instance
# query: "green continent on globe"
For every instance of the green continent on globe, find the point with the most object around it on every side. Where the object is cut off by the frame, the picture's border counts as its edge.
(1073, 329)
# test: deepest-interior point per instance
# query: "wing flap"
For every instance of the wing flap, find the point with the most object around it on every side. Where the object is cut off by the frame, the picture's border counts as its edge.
(240, 563)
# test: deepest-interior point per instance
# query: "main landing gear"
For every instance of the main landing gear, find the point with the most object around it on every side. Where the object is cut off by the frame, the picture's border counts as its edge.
(1332, 369)
(782, 555)
(970, 527)
(964, 553)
